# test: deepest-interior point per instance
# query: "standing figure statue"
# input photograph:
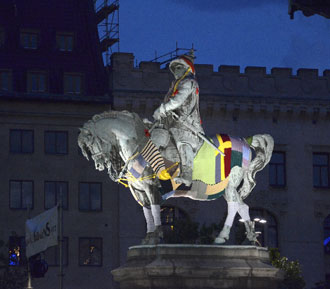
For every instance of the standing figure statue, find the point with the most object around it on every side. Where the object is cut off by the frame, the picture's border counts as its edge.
(182, 101)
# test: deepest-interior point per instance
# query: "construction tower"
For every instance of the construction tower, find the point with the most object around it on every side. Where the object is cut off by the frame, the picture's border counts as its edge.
(107, 15)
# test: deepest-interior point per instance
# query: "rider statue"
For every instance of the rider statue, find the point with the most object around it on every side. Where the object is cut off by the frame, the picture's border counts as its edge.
(180, 107)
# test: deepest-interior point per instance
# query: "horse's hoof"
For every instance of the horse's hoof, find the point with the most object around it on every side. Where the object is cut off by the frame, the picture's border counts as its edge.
(219, 241)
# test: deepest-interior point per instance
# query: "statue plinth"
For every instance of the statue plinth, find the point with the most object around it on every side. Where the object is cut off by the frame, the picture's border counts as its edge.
(197, 266)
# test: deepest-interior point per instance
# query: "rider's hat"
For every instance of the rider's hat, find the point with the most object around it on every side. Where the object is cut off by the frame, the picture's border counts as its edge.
(186, 60)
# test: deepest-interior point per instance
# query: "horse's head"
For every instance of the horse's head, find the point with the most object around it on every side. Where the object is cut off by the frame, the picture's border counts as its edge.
(95, 147)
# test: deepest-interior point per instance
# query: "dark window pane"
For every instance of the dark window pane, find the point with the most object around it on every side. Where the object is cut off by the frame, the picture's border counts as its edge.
(84, 197)
(320, 159)
(15, 141)
(95, 192)
(277, 169)
(324, 177)
(280, 176)
(61, 143)
(27, 189)
(277, 158)
(316, 177)
(56, 142)
(69, 43)
(27, 141)
(15, 195)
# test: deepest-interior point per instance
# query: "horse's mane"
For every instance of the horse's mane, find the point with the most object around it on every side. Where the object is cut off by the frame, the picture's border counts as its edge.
(114, 114)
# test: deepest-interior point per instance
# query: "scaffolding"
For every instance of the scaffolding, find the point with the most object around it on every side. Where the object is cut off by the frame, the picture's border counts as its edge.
(107, 16)
(168, 57)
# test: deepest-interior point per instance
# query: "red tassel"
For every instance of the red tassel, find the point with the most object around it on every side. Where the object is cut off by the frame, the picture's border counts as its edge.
(147, 133)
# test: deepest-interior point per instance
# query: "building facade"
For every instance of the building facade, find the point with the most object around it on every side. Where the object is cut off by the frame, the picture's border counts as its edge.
(52, 80)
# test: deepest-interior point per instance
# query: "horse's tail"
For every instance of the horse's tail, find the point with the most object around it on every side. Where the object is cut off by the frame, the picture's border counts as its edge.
(263, 145)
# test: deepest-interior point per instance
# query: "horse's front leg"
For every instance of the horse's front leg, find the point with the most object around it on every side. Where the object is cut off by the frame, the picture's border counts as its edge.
(153, 217)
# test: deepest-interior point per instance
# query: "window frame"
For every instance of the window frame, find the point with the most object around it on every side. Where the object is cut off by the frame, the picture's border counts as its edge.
(37, 73)
(56, 133)
(10, 82)
(56, 194)
(21, 204)
(79, 251)
(21, 141)
(73, 74)
(66, 35)
(277, 167)
(321, 166)
(57, 253)
(30, 32)
(89, 198)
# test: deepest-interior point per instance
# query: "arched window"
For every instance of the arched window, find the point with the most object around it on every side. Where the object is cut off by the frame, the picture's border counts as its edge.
(265, 223)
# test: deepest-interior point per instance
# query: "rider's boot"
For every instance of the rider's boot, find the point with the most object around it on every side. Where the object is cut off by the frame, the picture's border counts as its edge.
(187, 157)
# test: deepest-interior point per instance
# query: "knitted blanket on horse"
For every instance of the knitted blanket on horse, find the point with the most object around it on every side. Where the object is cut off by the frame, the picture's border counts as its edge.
(210, 170)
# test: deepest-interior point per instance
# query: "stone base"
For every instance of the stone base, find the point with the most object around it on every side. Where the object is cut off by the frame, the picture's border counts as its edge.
(197, 266)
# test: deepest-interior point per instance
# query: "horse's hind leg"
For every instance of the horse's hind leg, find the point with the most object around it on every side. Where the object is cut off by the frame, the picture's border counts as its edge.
(233, 202)
(251, 235)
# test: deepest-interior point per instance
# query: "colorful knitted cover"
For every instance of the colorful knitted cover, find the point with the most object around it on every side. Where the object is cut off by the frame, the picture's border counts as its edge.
(213, 169)
(210, 172)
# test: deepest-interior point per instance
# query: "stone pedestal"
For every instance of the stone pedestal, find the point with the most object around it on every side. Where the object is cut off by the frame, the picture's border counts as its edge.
(197, 266)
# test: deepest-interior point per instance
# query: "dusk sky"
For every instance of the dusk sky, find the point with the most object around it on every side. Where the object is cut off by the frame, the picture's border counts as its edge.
(226, 32)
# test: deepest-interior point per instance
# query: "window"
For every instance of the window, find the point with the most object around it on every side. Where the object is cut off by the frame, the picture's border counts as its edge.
(56, 142)
(5, 80)
(36, 81)
(72, 83)
(321, 170)
(90, 251)
(21, 141)
(30, 39)
(90, 198)
(20, 194)
(16, 251)
(2, 37)
(277, 174)
(53, 192)
(64, 41)
(52, 254)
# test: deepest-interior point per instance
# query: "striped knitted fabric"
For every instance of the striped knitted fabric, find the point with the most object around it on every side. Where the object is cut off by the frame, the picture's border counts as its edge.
(151, 154)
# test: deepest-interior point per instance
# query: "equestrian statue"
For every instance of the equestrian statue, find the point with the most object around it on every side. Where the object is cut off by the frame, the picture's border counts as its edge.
(173, 157)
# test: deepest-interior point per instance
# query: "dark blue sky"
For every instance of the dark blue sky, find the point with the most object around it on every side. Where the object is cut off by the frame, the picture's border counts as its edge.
(239, 32)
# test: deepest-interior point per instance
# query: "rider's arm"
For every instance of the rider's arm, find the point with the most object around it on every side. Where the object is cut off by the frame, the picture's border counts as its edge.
(184, 89)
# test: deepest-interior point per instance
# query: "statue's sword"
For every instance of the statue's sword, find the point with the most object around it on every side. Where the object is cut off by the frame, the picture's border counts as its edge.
(193, 129)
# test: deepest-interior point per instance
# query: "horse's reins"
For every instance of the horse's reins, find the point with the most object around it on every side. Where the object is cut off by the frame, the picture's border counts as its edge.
(134, 154)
